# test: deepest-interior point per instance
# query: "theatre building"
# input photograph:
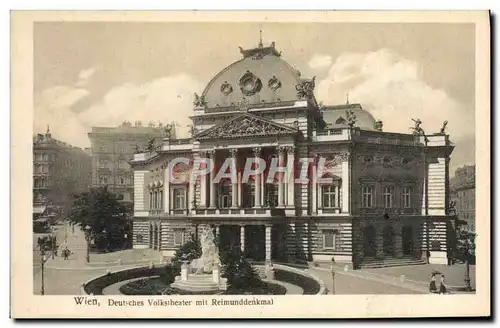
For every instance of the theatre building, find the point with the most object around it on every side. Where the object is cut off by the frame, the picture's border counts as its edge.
(385, 201)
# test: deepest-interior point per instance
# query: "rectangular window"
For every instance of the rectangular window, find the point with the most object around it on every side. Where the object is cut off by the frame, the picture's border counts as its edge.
(179, 195)
(161, 199)
(139, 238)
(151, 200)
(178, 237)
(248, 195)
(406, 197)
(225, 194)
(329, 196)
(367, 192)
(103, 163)
(271, 195)
(330, 239)
(102, 149)
(388, 196)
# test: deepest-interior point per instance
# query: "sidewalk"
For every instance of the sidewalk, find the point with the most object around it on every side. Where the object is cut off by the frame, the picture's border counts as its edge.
(78, 246)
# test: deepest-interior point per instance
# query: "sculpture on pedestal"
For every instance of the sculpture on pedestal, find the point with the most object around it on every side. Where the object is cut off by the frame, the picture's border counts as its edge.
(210, 254)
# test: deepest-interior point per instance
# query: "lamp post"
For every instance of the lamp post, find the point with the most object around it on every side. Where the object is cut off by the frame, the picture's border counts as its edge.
(467, 269)
(87, 238)
(43, 259)
(105, 239)
(333, 275)
(52, 241)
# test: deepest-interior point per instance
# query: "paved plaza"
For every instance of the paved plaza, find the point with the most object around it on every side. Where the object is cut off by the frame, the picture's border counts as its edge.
(64, 277)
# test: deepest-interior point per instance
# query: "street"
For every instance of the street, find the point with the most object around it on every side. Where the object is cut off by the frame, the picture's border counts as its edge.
(64, 277)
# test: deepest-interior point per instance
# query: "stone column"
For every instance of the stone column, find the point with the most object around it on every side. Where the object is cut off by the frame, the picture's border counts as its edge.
(234, 183)
(213, 203)
(242, 238)
(166, 189)
(291, 177)
(318, 187)
(203, 185)
(191, 194)
(345, 182)
(240, 200)
(281, 161)
(268, 244)
(314, 186)
(258, 179)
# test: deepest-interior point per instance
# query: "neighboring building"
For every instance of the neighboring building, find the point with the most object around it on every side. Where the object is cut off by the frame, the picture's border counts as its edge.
(112, 148)
(59, 170)
(463, 194)
(376, 209)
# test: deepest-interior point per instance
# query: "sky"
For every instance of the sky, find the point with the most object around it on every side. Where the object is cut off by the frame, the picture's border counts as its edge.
(102, 73)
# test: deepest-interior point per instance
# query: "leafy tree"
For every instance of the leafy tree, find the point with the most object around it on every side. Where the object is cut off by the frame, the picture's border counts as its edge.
(189, 251)
(104, 214)
(239, 272)
(466, 246)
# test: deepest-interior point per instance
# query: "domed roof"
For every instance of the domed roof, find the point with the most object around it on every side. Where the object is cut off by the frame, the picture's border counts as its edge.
(336, 115)
(260, 77)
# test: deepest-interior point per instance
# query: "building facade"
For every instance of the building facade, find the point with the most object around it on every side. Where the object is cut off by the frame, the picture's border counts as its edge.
(370, 196)
(463, 194)
(59, 169)
(112, 148)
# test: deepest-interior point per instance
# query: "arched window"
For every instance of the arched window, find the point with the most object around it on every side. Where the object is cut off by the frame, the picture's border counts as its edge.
(225, 193)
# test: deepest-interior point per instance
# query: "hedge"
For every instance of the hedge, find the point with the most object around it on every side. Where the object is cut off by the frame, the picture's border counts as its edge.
(97, 285)
(309, 285)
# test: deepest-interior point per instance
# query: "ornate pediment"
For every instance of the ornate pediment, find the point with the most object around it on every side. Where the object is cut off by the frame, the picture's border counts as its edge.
(246, 125)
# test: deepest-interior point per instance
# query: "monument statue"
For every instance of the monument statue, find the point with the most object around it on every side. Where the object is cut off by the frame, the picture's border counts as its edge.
(210, 254)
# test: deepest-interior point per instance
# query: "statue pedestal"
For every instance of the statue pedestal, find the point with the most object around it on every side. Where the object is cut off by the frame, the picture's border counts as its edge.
(184, 271)
(216, 274)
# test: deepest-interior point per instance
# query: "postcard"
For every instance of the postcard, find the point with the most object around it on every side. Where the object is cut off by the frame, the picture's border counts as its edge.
(315, 164)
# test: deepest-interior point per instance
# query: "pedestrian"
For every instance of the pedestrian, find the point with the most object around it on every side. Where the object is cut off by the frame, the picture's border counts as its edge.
(432, 284)
(442, 286)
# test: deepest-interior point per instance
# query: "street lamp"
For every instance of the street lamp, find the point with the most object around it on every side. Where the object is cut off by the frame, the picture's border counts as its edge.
(105, 239)
(467, 269)
(87, 238)
(52, 241)
(333, 275)
(43, 259)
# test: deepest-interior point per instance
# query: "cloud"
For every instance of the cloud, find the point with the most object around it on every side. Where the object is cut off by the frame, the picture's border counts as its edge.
(164, 99)
(392, 89)
(320, 61)
(85, 76)
(52, 107)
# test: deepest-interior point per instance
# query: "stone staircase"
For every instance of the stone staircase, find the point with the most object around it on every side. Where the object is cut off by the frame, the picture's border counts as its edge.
(371, 263)
(199, 283)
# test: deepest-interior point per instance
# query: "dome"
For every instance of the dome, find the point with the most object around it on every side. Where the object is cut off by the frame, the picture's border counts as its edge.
(260, 77)
(336, 115)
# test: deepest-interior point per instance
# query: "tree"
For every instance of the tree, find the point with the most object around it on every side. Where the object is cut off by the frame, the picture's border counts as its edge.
(104, 214)
(239, 272)
(466, 246)
(189, 251)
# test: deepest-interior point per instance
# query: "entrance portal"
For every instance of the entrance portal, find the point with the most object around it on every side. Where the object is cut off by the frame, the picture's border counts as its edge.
(255, 242)
(407, 239)
(229, 237)
(369, 247)
(388, 240)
